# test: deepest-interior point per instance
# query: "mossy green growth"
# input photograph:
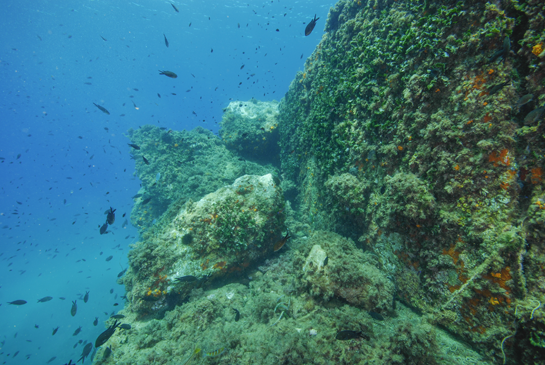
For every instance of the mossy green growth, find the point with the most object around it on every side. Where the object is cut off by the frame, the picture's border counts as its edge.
(182, 165)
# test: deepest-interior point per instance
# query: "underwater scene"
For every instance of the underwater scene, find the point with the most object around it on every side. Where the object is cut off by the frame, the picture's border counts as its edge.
(272, 182)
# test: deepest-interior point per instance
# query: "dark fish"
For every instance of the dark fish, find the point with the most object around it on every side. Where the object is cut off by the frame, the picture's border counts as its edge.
(494, 89)
(109, 258)
(86, 351)
(166, 40)
(186, 278)
(44, 299)
(524, 100)
(237, 314)
(506, 47)
(326, 260)
(534, 115)
(54, 331)
(349, 335)
(36, 326)
(86, 297)
(170, 74)
(105, 336)
(18, 302)
(136, 147)
(74, 308)
(95, 322)
(125, 326)
(104, 39)
(102, 109)
(111, 291)
(150, 298)
(495, 56)
(376, 316)
(145, 160)
(117, 316)
(175, 8)
(278, 245)
(107, 352)
(146, 201)
(311, 25)
(111, 216)
(77, 331)
(104, 228)
(121, 273)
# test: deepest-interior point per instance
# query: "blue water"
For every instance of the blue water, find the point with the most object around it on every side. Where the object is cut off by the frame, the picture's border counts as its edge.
(65, 162)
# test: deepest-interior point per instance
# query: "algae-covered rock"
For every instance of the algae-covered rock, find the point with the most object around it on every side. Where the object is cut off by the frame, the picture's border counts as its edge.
(249, 129)
(181, 165)
(222, 233)
(347, 274)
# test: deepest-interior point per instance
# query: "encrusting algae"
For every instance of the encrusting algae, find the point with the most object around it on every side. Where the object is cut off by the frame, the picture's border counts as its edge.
(411, 187)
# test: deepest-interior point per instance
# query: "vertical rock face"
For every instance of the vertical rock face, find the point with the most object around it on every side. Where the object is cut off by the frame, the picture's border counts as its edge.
(222, 233)
(407, 115)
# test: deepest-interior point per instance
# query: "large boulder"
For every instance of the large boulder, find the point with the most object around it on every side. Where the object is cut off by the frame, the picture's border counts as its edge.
(222, 233)
(335, 267)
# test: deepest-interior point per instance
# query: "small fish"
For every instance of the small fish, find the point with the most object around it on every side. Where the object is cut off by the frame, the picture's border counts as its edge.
(166, 40)
(117, 316)
(237, 314)
(86, 351)
(95, 322)
(125, 326)
(121, 273)
(109, 258)
(175, 8)
(349, 335)
(36, 326)
(102, 109)
(311, 25)
(86, 297)
(278, 245)
(145, 160)
(146, 201)
(116, 304)
(170, 74)
(105, 336)
(110, 218)
(18, 302)
(107, 352)
(495, 56)
(376, 316)
(136, 147)
(54, 331)
(215, 352)
(186, 279)
(44, 299)
(524, 100)
(494, 89)
(77, 331)
(104, 39)
(326, 260)
(534, 115)
(74, 308)
(53, 358)
(104, 228)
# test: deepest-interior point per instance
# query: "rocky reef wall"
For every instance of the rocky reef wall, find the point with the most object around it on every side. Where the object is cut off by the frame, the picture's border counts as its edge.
(416, 128)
